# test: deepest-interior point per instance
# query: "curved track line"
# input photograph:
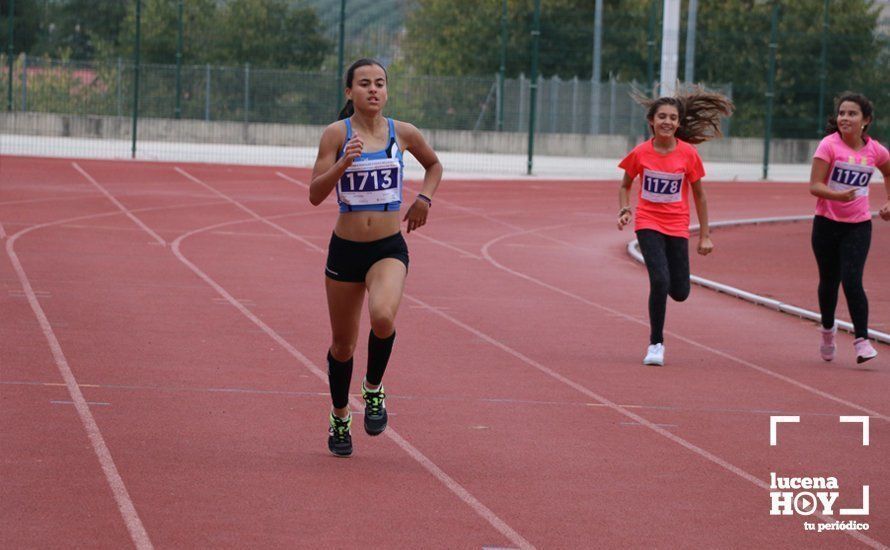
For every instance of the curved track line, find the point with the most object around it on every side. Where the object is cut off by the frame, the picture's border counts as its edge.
(117, 203)
(53, 199)
(676, 335)
(622, 410)
(115, 481)
(106, 461)
(633, 250)
(601, 399)
(463, 494)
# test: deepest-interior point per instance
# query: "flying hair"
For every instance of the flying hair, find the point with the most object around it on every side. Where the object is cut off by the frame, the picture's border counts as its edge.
(700, 112)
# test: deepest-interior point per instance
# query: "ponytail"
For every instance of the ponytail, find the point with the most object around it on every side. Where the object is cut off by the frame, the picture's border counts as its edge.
(700, 112)
(347, 110)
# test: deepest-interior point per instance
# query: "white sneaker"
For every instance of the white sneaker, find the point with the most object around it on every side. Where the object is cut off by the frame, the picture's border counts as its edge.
(655, 355)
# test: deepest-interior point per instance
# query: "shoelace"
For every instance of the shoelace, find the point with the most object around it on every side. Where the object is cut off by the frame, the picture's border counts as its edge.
(374, 401)
(341, 429)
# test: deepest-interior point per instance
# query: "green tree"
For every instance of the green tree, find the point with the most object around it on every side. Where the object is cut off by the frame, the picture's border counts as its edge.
(75, 28)
(26, 25)
(160, 28)
(447, 37)
(269, 33)
(733, 47)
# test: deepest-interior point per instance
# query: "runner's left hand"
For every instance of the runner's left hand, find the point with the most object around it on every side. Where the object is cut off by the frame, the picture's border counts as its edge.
(885, 212)
(705, 246)
(416, 215)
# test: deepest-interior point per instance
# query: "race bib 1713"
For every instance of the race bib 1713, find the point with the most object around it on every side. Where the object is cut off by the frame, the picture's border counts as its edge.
(371, 182)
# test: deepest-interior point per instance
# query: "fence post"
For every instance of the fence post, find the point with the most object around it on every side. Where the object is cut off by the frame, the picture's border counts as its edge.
(120, 85)
(536, 36)
(771, 78)
(596, 74)
(575, 105)
(207, 94)
(650, 46)
(246, 92)
(340, 53)
(499, 103)
(554, 101)
(136, 66)
(612, 94)
(10, 50)
(823, 69)
(632, 115)
(24, 82)
(502, 72)
(177, 110)
(521, 109)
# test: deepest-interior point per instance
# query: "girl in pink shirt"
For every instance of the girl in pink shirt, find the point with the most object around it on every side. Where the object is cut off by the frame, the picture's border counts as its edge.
(668, 166)
(843, 166)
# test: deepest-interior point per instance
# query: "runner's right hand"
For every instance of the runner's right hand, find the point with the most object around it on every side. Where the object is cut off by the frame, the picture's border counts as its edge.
(353, 149)
(846, 196)
(624, 219)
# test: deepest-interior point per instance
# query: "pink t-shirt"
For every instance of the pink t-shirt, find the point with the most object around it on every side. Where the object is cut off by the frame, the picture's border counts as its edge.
(665, 178)
(848, 169)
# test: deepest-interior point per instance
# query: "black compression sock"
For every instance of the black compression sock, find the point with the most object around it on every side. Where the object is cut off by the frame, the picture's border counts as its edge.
(339, 377)
(379, 351)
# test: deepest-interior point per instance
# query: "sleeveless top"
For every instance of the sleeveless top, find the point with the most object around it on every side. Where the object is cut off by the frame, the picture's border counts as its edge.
(374, 181)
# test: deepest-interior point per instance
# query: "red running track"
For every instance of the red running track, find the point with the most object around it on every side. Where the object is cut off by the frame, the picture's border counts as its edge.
(162, 382)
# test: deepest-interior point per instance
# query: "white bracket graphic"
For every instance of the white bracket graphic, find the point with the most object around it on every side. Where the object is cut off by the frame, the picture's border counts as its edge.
(773, 420)
(862, 420)
(858, 511)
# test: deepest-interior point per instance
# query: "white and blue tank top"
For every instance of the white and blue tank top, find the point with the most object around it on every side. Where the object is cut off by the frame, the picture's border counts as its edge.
(374, 181)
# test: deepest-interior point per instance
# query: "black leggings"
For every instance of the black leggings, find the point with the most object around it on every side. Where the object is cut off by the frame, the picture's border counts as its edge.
(841, 249)
(667, 260)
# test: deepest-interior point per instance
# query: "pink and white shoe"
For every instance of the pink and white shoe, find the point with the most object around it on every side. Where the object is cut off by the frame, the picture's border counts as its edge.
(827, 347)
(864, 350)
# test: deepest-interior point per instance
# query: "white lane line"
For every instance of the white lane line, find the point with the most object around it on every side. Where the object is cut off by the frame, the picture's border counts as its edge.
(106, 462)
(118, 489)
(616, 313)
(117, 203)
(463, 494)
(292, 180)
(256, 216)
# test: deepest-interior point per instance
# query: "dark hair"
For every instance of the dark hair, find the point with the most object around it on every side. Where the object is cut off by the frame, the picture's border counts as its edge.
(348, 109)
(864, 104)
(700, 112)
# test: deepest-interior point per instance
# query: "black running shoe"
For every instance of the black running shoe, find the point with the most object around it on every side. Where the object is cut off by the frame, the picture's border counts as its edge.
(339, 438)
(375, 410)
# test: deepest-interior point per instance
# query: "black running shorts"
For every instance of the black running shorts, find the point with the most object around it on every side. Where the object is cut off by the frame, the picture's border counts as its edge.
(349, 261)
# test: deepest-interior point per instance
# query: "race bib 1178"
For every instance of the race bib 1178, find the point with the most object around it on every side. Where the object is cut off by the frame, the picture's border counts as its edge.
(661, 186)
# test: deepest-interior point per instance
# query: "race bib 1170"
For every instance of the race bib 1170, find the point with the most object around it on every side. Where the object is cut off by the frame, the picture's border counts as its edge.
(846, 175)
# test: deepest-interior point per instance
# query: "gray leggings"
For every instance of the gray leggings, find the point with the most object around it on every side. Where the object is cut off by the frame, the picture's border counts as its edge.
(667, 260)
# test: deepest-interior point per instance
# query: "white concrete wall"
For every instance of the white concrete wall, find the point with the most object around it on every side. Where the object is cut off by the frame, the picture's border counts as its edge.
(782, 151)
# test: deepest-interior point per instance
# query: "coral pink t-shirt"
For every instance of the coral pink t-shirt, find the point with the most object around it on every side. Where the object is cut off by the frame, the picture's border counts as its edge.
(848, 169)
(665, 178)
